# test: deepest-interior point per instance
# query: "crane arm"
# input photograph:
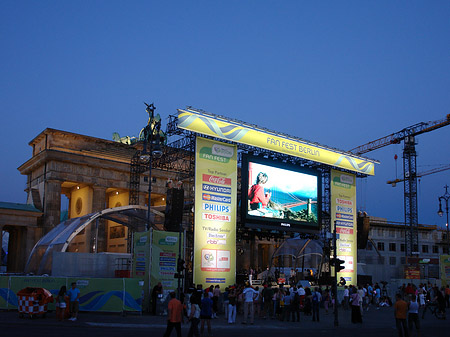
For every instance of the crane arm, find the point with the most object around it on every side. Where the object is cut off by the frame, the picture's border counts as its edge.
(418, 175)
(397, 137)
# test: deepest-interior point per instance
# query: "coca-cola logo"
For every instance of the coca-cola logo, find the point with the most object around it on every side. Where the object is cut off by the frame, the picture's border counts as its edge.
(217, 180)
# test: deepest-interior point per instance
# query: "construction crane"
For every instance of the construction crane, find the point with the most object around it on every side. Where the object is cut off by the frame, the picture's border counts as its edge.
(407, 135)
(422, 174)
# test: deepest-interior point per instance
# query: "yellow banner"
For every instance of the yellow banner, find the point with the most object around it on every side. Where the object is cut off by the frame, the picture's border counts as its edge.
(444, 264)
(343, 214)
(215, 213)
(245, 134)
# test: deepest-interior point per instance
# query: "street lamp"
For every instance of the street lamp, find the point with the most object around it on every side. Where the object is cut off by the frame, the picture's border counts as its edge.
(153, 128)
(445, 198)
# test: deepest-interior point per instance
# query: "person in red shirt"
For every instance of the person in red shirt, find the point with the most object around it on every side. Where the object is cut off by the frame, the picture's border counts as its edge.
(256, 193)
(175, 315)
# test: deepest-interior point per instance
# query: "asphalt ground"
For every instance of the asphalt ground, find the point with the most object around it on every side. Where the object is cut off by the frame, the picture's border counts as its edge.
(372, 319)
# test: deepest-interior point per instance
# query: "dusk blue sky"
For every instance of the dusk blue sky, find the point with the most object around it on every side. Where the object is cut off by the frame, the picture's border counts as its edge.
(340, 73)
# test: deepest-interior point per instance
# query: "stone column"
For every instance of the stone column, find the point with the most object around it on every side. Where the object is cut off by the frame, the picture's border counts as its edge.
(99, 204)
(52, 204)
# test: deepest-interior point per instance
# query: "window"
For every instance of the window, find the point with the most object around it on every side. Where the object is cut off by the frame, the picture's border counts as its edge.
(402, 260)
(424, 248)
(392, 261)
(392, 233)
(402, 247)
(380, 246)
(392, 247)
(380, 259)
(415, 247)
(425, 236)
(380, 232)
(435, 249)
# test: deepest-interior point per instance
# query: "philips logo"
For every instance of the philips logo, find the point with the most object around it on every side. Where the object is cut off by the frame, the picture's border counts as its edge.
(216, 208)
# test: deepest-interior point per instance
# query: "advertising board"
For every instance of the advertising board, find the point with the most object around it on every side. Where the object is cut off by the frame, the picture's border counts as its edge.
(215, 213)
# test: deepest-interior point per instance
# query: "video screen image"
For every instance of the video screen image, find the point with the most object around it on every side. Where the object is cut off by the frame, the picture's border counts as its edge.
(278, 193)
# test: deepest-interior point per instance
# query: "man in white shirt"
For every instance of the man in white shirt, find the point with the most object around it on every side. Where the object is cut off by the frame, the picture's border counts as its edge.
(346, 297)
(249, 295)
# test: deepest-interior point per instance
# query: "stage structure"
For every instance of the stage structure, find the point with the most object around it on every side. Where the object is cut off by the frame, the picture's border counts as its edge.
(306, 210)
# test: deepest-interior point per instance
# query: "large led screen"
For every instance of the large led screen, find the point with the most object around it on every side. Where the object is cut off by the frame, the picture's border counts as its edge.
(279, 195)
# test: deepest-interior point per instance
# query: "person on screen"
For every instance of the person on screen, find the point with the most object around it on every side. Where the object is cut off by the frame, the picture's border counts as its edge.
(256, 193)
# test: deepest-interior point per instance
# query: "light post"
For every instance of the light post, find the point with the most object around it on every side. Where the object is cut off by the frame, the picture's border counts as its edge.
(445, 198)
(153, 127)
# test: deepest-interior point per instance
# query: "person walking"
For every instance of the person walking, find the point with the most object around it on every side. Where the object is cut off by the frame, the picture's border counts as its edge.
(216, 296)
(74, 301)
(249, 296)
(267, 295)
(326, 299)
(156, 292)
(174, 317)
(295, 305)
(232, 305)
(194, 316)
(413, 315)
(206, 313)
(316, 298)
(286, 307)
(355, 305)
(447, 295)
(61, 303)
(226, 302)
(400, 310)
(346, 298)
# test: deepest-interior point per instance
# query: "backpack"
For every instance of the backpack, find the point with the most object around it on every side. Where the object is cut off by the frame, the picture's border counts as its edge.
(296, 300)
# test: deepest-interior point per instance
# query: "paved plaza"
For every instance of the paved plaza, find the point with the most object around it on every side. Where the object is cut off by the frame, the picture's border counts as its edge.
(375, 322)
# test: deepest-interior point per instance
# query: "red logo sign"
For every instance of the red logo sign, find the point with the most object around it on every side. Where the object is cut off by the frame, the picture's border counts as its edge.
(342, 230)
(206, 197)
(217, 180)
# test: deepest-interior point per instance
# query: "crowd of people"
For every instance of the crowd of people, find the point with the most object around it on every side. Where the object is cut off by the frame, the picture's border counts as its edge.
(201, 306)
(411, 299)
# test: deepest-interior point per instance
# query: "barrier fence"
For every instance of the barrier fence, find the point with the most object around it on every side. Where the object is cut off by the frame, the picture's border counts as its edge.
(96, 294)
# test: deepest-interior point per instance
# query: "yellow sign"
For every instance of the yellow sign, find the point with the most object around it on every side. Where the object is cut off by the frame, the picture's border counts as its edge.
(215, 213)
(444, 264)
(241, 133)
(343, 214)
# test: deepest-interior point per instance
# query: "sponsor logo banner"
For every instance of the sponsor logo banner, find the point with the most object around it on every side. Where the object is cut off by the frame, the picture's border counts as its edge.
(216, 189)
(216, 180)
(215, 212)
(216, 217)
(216, 198)
(344, 223)
(341, 230)
(216, 208)
(344, 216)
(343, 205)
